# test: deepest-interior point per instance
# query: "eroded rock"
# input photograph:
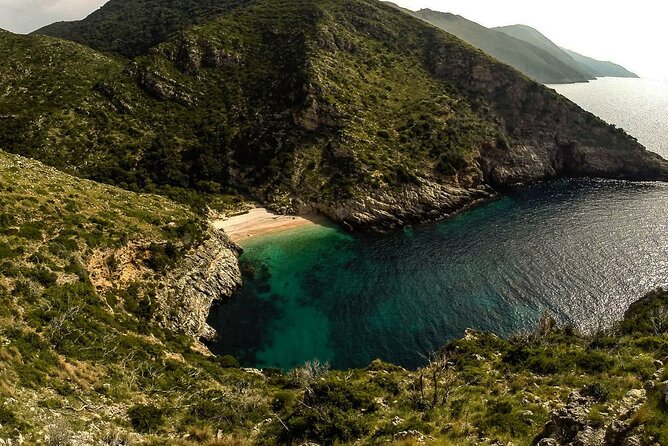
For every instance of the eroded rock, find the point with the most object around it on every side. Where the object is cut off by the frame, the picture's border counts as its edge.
(209, 273)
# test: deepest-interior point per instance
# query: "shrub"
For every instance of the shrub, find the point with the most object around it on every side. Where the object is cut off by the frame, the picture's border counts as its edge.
(502, 417)
(544, 363)
(594, 361)
(228, 362)
(6, 220)
(7, 252)
(42, 276)
(331, 412)
(283, 400)
(450, 162)
(7, 417)
(648, 315)
(30, 231)
(146, 418)
(161, 256)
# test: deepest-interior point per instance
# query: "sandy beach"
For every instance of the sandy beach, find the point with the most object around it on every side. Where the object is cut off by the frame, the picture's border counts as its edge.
(260, 221)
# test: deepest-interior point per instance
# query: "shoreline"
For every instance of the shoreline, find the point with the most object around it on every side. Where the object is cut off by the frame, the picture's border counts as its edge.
(259, 222)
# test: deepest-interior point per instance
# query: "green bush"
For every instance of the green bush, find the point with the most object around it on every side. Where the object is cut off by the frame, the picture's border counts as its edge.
(545, 363)
(31, 231)
(146, 418)
(228, 362)
(43, 276)
(7, 252)
(161, 256)
(331, 413)
(594, 361)
(7, 417)
(501, 417)
(648, 315)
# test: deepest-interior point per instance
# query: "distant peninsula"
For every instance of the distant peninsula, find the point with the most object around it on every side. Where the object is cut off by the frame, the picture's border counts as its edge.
(525, 49)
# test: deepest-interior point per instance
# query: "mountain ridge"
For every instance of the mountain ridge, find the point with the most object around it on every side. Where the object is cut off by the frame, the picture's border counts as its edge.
(601, 68)
(344, 130)
(538, 63)
(524, 48)
(593, 67)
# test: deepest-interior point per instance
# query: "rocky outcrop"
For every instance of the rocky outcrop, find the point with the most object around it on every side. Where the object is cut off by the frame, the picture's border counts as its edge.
(209, 273)
(608, 162)
(526, 163)
(551, 135)
(159, 85)
(386, 209)
(190, 54)
(520, 164)
(572, 424)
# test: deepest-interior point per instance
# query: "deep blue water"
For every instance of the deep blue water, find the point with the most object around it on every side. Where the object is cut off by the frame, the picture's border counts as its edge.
(582, 249)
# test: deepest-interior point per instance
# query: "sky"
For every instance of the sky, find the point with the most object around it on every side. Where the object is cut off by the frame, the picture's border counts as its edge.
(633, 34)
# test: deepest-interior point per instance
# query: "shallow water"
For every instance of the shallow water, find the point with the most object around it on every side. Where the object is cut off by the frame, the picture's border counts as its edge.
(582, 249)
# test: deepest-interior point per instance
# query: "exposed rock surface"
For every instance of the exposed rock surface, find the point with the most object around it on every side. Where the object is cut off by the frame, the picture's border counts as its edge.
(208, 274)
(385, 209)
(572, 425)
(160, 86)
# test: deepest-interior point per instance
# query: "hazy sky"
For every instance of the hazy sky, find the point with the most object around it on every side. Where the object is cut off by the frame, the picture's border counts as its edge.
(631, 33)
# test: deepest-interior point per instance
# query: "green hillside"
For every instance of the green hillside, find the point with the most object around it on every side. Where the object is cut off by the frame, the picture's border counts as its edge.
(86, 363)
(345, 107)
(91, 361)
(539, 64)
(350, 108)
(523, 48)
(534, 37)
(132, 28)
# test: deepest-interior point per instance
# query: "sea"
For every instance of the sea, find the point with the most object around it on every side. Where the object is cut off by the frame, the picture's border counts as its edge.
(581, 249)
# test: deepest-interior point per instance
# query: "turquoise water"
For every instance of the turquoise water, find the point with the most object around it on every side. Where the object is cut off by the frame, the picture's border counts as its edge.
(582, 249)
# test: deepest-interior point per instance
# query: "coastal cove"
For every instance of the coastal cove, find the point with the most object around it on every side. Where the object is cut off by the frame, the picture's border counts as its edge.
(577, 248)
(319, 292)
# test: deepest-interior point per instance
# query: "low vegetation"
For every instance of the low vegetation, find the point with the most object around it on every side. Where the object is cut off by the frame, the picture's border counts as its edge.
(290, 102)
(84, 367)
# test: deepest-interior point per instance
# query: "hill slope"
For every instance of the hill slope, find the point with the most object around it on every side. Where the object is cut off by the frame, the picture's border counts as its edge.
(524, 48)
(93, 350)
(350, 108)
(600, 68)
(132, 28)
(536, 38)
(535, 62)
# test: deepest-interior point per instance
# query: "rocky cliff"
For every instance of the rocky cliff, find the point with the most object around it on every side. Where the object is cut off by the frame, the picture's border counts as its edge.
(209, 273)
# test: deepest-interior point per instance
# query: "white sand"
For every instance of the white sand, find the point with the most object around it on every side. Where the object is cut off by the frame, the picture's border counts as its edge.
(260, 221)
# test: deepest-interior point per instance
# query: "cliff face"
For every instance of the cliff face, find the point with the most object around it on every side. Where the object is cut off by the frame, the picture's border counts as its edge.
(382, 209)
(207, 274)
